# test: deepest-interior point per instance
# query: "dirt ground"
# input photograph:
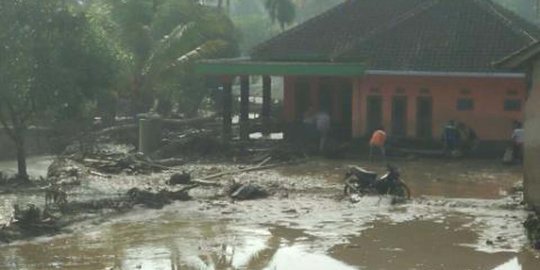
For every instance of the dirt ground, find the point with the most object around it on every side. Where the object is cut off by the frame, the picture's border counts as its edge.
(462, 216)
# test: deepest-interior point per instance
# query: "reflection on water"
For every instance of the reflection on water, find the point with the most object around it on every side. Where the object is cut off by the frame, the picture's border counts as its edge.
(176, 240)
(298, 258)
(512, 264)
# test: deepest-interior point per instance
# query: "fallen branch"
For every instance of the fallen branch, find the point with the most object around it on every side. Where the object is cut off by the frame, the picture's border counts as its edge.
(98, 174)
(205, 181)
(114, 129)
(264, 161)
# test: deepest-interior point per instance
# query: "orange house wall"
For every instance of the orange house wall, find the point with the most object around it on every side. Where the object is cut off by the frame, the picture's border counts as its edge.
(488, 118)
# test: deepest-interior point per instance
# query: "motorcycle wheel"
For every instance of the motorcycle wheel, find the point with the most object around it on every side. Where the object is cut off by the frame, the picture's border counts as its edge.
(349, 189)
(401, 190)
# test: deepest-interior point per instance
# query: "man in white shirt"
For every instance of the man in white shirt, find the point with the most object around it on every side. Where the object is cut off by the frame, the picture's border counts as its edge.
(322, 122)
(518, 138)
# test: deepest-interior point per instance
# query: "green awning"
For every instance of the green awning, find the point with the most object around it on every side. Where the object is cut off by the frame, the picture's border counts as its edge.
(237, 67)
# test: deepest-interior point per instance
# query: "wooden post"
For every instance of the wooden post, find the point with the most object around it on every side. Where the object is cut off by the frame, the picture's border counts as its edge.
(266, 105)
(227, 110)
(244, 108)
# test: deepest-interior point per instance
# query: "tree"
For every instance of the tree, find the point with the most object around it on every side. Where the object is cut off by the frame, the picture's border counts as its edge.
(52, 66)
(160, 41)
(281, 11)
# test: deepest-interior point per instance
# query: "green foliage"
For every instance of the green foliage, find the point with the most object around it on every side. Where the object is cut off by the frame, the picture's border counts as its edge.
(160, 41)
(310, 8)
(528, 9)
(281, 11)
(55, 61)
(252, 18)
(54, 65)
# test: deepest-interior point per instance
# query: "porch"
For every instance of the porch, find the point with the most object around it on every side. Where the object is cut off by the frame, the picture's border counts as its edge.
(316, 85)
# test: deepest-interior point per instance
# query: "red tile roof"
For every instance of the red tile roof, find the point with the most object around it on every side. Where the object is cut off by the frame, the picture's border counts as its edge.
(423, 35)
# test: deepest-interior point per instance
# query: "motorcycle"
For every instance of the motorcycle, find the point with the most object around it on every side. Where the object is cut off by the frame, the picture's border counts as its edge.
(360, 181)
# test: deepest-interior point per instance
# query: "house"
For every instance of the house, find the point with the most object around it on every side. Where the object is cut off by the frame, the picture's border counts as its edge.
(528, 60)
(409, 65)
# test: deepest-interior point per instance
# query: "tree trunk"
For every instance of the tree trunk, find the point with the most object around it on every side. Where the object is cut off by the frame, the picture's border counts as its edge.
(21, 157)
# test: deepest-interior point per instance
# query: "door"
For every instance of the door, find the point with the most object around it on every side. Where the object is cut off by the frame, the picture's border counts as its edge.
(399, 116)
(424, 117)
(301, 98)
(374, 113)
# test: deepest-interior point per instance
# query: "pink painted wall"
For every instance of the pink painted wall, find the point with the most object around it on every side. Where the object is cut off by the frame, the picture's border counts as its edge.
(488, 118)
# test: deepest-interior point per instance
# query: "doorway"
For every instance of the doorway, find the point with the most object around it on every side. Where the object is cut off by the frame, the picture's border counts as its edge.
(374, 113)
(399, 116)
(301, 98)
(424, 117)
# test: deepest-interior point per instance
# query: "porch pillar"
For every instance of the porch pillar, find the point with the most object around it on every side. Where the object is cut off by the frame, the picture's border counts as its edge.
(357, 108)
(244, 108)
(315, 95)
(227, 109)
(266, 105)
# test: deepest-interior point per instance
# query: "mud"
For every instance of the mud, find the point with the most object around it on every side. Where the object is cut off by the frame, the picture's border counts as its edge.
(461, 217)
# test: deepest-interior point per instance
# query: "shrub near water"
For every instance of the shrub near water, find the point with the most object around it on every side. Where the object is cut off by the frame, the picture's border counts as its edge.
(532, 225)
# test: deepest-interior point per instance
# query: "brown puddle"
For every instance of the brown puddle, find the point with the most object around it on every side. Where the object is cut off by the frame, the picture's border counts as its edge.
(471, 178)
(310, 231)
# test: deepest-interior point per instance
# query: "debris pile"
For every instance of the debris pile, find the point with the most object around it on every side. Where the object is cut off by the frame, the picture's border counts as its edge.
(29, 222)
(194, 144)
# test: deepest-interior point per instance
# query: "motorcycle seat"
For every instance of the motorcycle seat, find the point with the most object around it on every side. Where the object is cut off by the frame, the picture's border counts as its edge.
(364, 171)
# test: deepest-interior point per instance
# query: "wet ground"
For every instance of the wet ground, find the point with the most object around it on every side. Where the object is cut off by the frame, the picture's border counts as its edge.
(460, 218)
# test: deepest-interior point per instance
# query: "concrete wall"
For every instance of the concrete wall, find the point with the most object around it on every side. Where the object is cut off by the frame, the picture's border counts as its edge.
(532, 142)
(488, 118)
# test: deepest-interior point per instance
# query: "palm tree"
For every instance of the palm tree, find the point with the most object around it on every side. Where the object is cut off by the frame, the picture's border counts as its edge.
(160, 40)
(281, 11)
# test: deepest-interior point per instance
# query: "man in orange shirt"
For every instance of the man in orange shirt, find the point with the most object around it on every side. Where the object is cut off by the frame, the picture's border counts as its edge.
(378, 139)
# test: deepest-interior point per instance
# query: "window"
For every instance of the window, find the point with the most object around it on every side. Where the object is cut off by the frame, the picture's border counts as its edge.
(512, 105)
(465, 104)
(512, 92)
(400, 90)
(424, 91)
(465, 91)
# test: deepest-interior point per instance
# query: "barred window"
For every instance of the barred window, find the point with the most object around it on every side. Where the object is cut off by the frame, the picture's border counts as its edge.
(465, 104)
(513, 105)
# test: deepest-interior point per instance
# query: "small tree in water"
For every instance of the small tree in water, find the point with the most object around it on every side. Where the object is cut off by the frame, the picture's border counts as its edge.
(53, 64)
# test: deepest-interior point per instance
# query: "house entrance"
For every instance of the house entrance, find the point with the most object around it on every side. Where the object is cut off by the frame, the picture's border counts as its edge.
(424, 117)
(374, 113)
(301, 98)
(399, 116)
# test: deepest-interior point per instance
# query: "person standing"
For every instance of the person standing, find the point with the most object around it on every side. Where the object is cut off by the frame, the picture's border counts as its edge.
(518, 138)
(450, 137)
(467, 137)
(377, 141)
(322, 122)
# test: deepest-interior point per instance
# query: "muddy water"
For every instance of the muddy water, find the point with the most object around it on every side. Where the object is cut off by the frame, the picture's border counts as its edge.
(312, 228)
(37, 166)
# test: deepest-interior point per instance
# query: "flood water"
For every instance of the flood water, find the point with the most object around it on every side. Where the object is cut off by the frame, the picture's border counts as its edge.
(460, 218)
(37, 166)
